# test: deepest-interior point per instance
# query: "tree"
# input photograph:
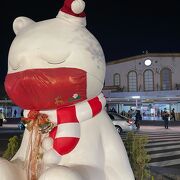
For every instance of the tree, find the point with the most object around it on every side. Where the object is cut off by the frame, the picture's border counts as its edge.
(138, 157)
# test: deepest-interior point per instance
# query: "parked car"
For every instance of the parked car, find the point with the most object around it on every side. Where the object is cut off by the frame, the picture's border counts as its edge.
(122, 123)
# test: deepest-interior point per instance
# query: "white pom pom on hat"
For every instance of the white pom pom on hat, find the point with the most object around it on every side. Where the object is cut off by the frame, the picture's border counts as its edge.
(74, 8)
(73, 12)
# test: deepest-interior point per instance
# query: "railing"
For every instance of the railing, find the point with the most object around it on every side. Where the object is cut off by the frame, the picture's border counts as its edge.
(114, 88)
(140, 89)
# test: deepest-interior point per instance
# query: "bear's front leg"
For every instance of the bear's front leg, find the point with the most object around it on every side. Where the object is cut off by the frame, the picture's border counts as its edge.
(73, 172)
(60, 173)
(11, 171)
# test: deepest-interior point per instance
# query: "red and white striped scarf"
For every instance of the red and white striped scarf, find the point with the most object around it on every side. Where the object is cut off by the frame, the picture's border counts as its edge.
(66, 134)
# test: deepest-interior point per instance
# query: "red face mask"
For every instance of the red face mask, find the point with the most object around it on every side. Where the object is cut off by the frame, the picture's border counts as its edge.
(42, 89)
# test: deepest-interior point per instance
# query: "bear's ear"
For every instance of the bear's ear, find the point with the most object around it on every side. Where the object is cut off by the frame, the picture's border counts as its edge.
(20, 23)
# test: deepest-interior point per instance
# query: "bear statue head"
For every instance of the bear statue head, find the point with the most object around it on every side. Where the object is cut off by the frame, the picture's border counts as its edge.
(56, 62)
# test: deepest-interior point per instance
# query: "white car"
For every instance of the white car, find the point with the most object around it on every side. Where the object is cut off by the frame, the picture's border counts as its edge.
(122, 123)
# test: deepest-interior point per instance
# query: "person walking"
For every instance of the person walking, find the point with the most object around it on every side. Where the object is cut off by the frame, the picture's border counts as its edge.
(15, 112)
(2, 118)
(173, 115)
(165, 116)
(130, 113)
(138, 118)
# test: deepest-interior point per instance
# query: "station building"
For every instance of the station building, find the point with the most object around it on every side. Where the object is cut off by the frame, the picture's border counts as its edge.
(149, 82)
(9, 109)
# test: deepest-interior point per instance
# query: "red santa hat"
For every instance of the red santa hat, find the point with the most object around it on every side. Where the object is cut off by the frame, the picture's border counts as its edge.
(74, 8)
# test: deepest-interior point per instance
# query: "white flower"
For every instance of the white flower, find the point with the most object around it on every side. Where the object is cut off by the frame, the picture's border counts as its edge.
(75, 96)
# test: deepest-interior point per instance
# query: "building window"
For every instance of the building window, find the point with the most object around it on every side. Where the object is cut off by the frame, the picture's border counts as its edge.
(132, 81)
(117, 79)
(166, 79)
(148, 80)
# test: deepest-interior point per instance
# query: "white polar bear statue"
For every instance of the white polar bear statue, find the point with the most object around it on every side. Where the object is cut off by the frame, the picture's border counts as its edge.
(56, 68)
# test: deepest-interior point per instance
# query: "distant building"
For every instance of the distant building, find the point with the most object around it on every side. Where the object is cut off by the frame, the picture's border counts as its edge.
(9, 109)
(150, 82)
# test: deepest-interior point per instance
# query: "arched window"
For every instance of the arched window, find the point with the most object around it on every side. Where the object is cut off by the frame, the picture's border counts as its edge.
(132, 81)
(166, 79)
(117, 81)
(148, 77)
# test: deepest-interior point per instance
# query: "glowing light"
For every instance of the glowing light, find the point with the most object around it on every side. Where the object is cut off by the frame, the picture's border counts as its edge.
(147, 62)
(136, 97)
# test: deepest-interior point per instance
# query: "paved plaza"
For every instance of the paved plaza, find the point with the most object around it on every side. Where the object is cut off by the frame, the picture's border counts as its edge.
(160, 128)
(163, 146)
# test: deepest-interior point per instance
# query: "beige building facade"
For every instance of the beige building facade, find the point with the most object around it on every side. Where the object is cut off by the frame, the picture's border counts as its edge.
(150, 82)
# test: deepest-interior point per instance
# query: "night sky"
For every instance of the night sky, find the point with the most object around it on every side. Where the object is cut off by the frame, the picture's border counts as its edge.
(123, 27)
